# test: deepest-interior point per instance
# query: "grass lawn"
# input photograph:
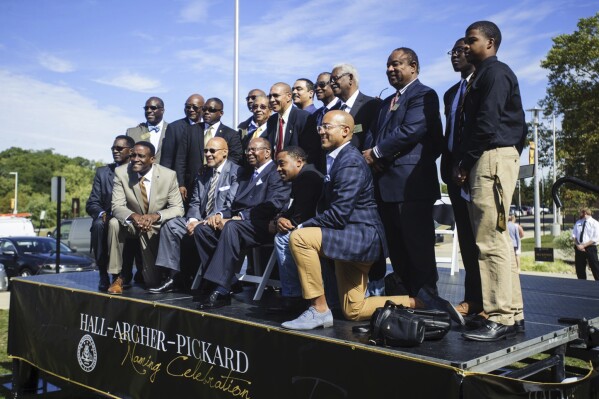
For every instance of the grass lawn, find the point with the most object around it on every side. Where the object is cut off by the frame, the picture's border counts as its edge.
(528, 244)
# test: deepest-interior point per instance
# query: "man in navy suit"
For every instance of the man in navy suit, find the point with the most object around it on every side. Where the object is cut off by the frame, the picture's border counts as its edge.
(346, 228)
(215, 187)
(401, 147)
(175, 131)
(99, 206)
(249, 125)
(261, 112)
(261, 195)
(190, 155)
(287, 122)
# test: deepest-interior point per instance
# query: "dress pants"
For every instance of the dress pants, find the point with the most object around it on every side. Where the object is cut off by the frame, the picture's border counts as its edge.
(99, 241)
(500, 280)
(352, 277)
(410, 233)
(118, 234)
(580, 261)
(169, 245)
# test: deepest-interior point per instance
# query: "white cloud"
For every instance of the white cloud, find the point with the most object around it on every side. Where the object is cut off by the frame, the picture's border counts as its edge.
(134, 82)
(195, 11)
(54, 63)
(62, 119)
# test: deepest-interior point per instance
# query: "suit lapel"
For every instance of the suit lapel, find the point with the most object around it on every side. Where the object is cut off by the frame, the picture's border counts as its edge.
(357, 104)
(289, 127)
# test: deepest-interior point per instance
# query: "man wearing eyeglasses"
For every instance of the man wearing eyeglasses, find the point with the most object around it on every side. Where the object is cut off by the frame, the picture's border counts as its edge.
(453, 100)
(249, 125)
(261, 195)
(287, 122)
(261, 112)
(99, 205)
(176, 130)
(309, 140)
(190, 154)
(302, 94)
(345, 83)
(215, 187)
(154, 128)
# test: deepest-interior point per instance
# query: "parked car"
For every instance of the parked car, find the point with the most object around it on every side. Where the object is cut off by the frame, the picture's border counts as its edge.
(526, 210)
(516, 211)
(26, 256)
(16, 226)
(76, 234)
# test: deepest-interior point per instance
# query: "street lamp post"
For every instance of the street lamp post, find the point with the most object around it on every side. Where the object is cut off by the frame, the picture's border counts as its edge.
(535, 121)
(14, 211)
(555, 227)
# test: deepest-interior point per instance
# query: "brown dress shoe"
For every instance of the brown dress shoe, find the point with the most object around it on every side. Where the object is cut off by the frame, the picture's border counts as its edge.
(116, 288)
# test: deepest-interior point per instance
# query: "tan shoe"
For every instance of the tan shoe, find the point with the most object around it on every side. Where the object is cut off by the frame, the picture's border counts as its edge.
(466, 308)
(116, 288)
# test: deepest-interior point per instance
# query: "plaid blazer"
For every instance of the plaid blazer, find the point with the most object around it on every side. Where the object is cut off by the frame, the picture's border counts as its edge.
(347, 212)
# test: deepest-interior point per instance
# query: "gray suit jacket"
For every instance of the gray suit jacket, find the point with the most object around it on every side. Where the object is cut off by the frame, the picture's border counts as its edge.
(226, 188)
(164, 197)
(141, 133)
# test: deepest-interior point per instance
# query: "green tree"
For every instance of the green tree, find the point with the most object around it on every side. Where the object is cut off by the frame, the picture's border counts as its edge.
(573, 92)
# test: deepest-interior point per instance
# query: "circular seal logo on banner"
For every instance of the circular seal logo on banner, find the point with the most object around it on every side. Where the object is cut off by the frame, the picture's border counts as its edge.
(87, 355)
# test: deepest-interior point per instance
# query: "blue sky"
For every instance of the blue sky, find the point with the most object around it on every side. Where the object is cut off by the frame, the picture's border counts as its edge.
(75, 73)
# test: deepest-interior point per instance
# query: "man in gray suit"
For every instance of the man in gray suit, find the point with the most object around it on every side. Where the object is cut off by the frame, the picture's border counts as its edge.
(214, 189)
(144, 197)
(154, 129)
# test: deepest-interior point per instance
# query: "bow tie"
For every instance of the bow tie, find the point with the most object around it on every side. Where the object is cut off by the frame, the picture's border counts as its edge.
(153, 128)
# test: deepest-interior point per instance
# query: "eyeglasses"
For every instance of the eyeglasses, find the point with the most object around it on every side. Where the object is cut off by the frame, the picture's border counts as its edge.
(210, 109)
(336, 78)
(212, 150)
(194, 107)
(322, 85)
(248, 98)
(327, 126)
(118, 148)
(261, 106)
(152, 107)
(255, 149)
(456, 51)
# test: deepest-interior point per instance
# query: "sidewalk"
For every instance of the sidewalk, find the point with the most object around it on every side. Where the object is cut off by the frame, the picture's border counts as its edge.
(4, 299)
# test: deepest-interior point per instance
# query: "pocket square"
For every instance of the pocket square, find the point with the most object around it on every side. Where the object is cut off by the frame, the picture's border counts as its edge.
(224, 188)
(259, 182)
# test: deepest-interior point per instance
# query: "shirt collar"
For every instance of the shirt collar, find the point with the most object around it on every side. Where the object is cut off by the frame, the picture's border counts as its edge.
(216, 126)
(350, 101)
(261, 168)
(286, 113)
(147, 176)
(220, 168)
(160, 125)
(333, 154)
(332, 103)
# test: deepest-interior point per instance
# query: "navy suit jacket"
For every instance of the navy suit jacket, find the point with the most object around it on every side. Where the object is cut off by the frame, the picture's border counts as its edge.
(100, 199)
(364, 111)
(172, 139)
(447, 158)
(409, 140)
(347, 213)
(226, 188)
(260, 199)
(190, 154)
(295, 126)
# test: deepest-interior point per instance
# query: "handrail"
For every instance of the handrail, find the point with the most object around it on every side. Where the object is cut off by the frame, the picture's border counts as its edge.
(574, 180)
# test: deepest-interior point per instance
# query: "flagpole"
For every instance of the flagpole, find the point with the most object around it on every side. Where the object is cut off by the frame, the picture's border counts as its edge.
(236, 69)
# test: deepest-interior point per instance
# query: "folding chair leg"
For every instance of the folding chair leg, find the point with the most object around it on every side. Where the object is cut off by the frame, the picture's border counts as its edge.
(265, 276)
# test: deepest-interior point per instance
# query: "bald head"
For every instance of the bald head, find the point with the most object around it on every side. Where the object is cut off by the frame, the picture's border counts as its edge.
(337, 129)
(279, 97)
(258, 152)
(216, 152)
(193, 107)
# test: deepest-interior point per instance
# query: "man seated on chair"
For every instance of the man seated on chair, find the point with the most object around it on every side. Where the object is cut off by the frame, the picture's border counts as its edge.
(306, 187)
(214, 189)
(346, 228)
(220, 241)
(144, 197)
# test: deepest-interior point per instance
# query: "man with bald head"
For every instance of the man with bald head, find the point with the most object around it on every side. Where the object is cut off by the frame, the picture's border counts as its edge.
(249, 125)
(346, 228)
(153, 130)
(176, 130)
(215, 187)
(261, 195)
(287, 122)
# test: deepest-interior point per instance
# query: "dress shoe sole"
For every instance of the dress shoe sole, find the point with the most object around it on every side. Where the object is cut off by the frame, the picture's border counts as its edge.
(493, 339)
(210, 306)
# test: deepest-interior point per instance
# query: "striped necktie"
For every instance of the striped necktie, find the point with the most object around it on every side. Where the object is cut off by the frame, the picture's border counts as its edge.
(211, 191)
(144, 194)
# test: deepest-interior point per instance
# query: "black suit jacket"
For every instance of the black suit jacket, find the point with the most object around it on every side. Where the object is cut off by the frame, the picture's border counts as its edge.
(295, 126)
(190, 154)
(100, 199)
(306, 189)
(365, 110)
(447, 158)
(172, 139)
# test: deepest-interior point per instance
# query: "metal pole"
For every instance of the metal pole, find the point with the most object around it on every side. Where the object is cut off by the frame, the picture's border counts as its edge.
(58, 211)
(15, 211)
(555, 227)
(236, 69)
(537, 201)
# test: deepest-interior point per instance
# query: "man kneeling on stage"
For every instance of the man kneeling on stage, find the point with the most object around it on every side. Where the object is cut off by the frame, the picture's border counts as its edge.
(346, 228)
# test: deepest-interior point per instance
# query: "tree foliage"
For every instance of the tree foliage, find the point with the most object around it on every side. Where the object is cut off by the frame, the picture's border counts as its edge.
(573, 92)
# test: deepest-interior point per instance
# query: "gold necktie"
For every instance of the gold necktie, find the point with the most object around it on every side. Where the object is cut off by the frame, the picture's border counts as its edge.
(144, 194)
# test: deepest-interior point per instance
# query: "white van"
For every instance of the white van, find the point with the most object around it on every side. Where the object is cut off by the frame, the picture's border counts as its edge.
(16, 227)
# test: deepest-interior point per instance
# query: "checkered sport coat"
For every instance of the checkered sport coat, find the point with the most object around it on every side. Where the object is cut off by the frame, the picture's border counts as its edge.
(347, 213)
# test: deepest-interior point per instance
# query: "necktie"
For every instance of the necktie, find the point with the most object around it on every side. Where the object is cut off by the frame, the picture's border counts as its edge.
(455, 138)
(280, 136)
(461, 113)
(394, 101)
(251, 129)
(344, 107)
(153, 128)
(208, 135)
(256, 173)
(258, 131)
(211, 191)
(584, 224)
(144, 194)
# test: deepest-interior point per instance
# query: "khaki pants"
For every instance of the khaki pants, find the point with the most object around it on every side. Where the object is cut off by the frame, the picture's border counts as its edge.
(500, 281)
(352, 277)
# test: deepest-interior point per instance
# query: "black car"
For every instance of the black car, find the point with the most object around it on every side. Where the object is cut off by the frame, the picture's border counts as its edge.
(26, 256)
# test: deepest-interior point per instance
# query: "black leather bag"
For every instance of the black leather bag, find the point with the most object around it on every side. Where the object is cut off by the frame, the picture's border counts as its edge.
(396, 325)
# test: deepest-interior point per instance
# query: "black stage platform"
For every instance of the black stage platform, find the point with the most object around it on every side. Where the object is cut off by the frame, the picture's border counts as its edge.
(63, 326)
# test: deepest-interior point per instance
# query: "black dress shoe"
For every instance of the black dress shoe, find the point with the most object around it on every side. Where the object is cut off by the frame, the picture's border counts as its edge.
(491, 331)
(104, 283)
(215, 300)
(474, 322)
(520, 327)
(168, 286)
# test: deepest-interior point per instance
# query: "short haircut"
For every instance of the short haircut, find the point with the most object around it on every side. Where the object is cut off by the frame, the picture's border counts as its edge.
(285, 86)
(489, 29)
(149, 146)
(309, 84)
(349, 68)
(587, 211)
(216, 100)
(411, 54)
(264, 142)
(296, 153)
(323, 73)
(157, 99)
(129, 139)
